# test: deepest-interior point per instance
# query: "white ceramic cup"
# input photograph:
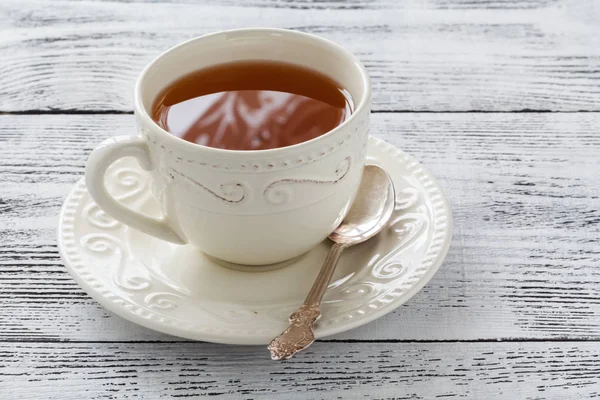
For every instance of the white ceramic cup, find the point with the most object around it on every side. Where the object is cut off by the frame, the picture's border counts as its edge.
(245, 207)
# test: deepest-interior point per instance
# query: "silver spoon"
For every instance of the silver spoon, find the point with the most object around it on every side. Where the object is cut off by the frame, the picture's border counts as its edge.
(368, 215)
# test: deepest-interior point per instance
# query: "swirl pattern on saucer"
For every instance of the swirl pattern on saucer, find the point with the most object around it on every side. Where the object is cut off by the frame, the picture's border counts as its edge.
(374, 279)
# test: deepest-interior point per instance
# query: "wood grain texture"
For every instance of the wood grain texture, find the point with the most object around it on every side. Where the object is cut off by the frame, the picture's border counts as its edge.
(540, 371)
(524, 188)
(442, 55)
(523, 263)
(364, 4)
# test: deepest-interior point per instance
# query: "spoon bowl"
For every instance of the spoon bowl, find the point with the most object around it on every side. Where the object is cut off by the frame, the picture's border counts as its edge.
(371, 209)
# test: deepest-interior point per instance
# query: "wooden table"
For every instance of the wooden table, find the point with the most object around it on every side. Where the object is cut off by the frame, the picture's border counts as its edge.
(500, 99)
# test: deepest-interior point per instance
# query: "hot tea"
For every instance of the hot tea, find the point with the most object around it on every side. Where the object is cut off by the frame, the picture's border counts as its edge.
(252, 105)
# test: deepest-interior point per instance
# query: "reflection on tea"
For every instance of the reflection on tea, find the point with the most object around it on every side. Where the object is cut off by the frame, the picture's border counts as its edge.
(252, 105)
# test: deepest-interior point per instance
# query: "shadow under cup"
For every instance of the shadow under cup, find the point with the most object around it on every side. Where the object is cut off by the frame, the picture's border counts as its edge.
(265, 206)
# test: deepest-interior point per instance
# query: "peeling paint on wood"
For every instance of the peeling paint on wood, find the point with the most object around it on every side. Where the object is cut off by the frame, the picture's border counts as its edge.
(523, 263)
(422, 55)
(513, 312)
(540, 371)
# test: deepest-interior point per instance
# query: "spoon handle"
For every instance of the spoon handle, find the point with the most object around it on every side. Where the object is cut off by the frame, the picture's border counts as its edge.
(299, 335)
(322, 281)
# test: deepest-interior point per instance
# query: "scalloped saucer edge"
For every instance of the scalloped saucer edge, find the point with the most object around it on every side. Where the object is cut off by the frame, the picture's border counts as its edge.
(179, 291)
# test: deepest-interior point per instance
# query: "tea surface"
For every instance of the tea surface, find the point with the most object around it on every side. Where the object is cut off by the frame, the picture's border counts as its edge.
(252, 105)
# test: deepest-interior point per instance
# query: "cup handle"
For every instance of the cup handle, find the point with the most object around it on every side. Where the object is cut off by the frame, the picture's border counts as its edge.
(98, 162)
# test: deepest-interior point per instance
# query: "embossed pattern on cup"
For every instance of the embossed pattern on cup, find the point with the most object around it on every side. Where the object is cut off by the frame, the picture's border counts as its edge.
(245, 207)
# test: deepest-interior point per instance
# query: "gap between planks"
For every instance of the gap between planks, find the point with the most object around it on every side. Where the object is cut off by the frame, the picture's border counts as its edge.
(365, 341)
(119, 112)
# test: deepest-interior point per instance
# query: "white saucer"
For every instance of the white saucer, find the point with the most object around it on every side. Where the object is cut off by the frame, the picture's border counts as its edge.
(179, 291)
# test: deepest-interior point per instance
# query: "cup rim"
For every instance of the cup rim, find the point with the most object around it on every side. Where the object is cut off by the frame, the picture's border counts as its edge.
(146, 119)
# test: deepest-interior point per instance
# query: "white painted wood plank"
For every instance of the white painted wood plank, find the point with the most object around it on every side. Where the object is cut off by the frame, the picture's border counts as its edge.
(540, 371)
(434, 55)
(368, 4)
(523, 263)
